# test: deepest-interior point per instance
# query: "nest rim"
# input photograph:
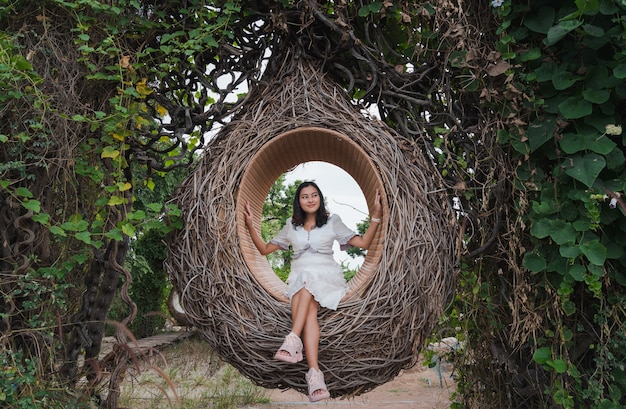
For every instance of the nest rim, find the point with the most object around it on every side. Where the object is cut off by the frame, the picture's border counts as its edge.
(285, 151)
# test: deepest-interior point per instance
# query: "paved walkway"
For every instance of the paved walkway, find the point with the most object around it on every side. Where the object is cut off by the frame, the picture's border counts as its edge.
(417, 388)
(144, 346)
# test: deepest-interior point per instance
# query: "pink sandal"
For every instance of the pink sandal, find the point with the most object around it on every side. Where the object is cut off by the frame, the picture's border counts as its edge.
(315, 379)
(293, 346)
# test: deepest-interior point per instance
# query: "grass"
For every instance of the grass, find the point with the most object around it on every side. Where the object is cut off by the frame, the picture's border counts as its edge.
(187, 375)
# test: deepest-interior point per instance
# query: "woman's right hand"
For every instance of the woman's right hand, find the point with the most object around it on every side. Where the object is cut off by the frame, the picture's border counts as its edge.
(248, 214)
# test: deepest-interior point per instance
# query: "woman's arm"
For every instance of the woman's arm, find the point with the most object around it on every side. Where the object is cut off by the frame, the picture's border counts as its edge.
(375, 219)
(263, 247)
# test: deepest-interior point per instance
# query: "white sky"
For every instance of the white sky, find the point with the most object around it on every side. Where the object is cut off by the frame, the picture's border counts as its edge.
(343, 197)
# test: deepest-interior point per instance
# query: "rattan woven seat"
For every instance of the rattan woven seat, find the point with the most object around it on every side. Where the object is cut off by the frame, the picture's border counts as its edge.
(230, 293)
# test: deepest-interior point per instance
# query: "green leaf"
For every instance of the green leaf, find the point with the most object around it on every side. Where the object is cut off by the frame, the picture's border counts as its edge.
(115, 234)
(372, 8)
(128, 229)
(137, 215)
(110, 152)
(541, 21)
(75, 223)
(602, 145)
(116, 200)
(173, 210)
(155, 207)
(546, 71)
(594, 251)
(33, 205)
(585, 168)
(530, 55)
(577, 272)
(569, 307)
(598, 96)
(581, 225)
(590, 140)
(620, 71)
(559, 365)
(84, 236)
(562, 232)
(564, 79)
(541, 228)
(588, 7)
(557, 32)
(57, 231)
(534, 262)
(23, 192)
(42, 218)
(80, 258)
(593, 31)
(575, 107)
(569, 251)
(597, 78)
(540, 131)
(542, 355)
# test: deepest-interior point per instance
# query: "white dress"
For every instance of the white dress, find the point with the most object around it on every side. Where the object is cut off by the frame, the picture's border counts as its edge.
(313, 266)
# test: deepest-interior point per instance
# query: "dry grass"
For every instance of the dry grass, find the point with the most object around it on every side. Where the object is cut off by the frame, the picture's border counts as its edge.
(187, 375)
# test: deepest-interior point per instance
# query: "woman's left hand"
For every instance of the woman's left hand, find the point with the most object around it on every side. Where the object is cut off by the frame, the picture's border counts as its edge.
(378, 208)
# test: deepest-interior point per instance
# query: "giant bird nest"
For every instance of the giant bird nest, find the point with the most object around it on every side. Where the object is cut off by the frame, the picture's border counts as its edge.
(229, 291)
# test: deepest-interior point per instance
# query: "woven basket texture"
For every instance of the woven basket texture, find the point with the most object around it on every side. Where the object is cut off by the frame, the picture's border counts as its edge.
(229, 292)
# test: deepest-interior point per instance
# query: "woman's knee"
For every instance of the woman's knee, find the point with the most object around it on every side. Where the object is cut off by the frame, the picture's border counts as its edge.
(314, 307)
(302, 295)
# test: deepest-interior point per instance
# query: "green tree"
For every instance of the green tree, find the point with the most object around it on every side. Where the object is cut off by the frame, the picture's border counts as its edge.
(276, 210)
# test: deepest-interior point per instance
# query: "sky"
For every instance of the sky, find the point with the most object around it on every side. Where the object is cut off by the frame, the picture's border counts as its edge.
(343, 197)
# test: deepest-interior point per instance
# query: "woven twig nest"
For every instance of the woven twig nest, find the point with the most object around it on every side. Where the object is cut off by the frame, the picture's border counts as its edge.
(229, 291)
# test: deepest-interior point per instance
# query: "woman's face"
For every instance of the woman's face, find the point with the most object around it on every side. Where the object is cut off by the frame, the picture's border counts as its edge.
(309, 199)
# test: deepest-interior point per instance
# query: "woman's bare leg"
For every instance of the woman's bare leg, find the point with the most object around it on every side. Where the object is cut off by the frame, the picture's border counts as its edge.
(311, 334)
(301, 304)
(299, 310)
(304, 310)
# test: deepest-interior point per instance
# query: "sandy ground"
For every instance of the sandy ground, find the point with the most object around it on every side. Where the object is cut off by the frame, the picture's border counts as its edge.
(417, 388)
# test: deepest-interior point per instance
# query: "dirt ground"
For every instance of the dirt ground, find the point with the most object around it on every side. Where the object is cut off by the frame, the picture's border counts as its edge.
(417, 388)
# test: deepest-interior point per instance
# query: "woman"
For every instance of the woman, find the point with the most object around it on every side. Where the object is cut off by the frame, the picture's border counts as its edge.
(316, 279)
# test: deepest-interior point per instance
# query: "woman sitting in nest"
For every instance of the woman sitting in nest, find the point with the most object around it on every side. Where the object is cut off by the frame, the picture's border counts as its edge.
(316, 278)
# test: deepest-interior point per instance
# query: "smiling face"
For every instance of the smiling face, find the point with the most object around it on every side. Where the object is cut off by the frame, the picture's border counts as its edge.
(309, 199)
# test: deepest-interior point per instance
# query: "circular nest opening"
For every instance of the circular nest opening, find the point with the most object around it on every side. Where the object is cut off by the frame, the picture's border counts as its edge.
(231, 295)
(285, 152)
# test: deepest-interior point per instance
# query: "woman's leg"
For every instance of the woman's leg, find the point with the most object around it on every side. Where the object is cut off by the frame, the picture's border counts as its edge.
(304, 310)
(304, 323)
(300, 305)
(311, 334)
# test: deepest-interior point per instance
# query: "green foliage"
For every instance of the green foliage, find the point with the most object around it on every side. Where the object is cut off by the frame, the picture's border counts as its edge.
(568, 58)
(21, 387)
(150, 287)
(277, 209)
(17, 374)
(76, 123)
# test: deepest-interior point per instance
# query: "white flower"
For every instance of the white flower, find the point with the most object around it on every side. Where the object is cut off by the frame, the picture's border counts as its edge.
(496, 3)
(611, 129)
(613, 203)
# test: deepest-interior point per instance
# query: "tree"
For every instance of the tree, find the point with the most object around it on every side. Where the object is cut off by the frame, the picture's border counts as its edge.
(276, 210)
